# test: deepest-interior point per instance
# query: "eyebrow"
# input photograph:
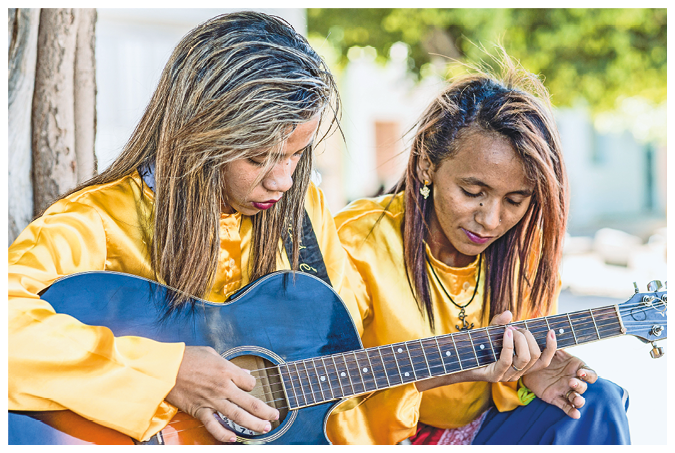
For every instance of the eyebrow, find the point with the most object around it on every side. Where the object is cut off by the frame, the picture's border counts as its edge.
(309, 145)
(472, 181)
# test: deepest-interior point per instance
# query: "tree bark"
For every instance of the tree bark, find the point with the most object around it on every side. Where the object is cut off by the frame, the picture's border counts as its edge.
(54, 159)
(85, 95)
(23, 36)
(51, 107)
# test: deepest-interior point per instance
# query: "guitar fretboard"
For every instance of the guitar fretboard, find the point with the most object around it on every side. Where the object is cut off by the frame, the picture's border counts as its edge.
(314, 381)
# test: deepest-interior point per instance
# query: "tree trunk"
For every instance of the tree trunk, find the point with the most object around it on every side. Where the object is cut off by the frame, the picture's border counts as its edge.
(85, 95)
(23, 36)
(55, 163)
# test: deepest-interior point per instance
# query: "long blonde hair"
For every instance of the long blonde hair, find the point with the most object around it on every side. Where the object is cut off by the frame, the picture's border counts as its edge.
(234, 87)
(515, 105)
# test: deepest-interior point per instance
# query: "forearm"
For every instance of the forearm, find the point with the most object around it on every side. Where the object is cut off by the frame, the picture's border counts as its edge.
(449, 379)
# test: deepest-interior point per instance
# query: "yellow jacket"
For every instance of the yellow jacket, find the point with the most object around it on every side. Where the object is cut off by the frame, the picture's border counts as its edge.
(56, 362)
(390, 315)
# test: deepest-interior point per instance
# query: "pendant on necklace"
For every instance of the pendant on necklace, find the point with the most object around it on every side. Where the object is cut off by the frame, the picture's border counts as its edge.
(462, 317)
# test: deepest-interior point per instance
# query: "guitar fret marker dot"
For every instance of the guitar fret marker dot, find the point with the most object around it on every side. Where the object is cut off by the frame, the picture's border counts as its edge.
(365, 370)
(399, 350)
(323, 378)
(448, 353)
(343, 374)
(482, 346)
(407, 374)
(561, 331)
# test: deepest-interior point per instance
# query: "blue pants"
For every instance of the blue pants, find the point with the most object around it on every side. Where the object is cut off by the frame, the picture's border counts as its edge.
(603, 421)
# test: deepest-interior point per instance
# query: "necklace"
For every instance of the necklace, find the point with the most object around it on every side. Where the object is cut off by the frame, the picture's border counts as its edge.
(462, 312)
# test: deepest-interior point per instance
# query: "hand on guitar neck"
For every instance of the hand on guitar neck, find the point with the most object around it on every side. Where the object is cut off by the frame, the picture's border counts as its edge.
(207, 383)
(520, 354)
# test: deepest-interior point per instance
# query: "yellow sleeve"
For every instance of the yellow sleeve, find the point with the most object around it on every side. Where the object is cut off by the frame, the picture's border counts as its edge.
(388, 416)
(343, 275)
(382, 418)
(56, 362)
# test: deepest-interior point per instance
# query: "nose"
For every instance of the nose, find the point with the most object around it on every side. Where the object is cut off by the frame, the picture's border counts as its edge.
(280, 178)
(489, 215)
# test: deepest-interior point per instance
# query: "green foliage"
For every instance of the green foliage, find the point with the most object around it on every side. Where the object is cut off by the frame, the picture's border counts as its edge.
(600, 56)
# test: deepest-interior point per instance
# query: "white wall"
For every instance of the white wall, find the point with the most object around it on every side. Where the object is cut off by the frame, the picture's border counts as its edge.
(370, 93)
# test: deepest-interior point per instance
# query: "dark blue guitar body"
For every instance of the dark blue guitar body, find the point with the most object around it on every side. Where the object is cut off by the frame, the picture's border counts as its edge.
(282, 317)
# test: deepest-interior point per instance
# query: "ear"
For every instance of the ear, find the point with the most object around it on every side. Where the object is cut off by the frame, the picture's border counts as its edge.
(424, 170)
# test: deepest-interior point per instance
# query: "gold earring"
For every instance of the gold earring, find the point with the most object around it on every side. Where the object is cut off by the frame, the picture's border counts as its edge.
(425, 190)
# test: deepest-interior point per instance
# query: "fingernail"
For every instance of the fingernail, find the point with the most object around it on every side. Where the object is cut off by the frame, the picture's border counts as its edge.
(267, 429)
(551, 334)
(233, 439)
(248, 371)
(508, 333)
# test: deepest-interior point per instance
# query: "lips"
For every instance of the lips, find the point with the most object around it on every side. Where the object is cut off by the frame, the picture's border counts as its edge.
(265, 204)
(476, 239)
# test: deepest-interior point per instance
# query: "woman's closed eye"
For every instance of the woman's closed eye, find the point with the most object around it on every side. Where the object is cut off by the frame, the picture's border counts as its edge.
(471, 194)
(255, 162)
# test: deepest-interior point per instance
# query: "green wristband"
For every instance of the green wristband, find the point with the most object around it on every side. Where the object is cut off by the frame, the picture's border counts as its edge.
(525, 395)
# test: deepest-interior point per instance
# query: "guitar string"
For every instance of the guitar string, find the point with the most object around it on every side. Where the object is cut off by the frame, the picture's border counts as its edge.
(316, 387)
(590, 328)
(638, 323)
(582, 328)
(372, 378)
(323, 399)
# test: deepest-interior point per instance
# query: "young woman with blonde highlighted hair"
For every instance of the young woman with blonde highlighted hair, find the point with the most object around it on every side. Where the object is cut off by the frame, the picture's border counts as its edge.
(215, 173)
(472, 236)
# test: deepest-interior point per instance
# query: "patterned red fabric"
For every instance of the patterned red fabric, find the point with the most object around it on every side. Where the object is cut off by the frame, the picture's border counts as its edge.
(428, 435)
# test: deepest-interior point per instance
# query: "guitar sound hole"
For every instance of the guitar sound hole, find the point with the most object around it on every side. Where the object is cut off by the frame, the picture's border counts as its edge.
(268, 389)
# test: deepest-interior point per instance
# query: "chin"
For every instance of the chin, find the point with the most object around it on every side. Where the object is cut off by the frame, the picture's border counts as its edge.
(248, 211)
(471, 249)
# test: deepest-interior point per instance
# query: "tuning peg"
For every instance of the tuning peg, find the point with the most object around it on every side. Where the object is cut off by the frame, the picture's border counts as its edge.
(656, 352)
(654, 285)
(637, 290)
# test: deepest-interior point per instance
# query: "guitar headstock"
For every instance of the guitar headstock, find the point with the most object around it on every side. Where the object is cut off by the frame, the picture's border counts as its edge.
(645, 315)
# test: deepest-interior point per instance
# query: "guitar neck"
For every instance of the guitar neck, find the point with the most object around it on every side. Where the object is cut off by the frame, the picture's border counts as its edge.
(314, 381)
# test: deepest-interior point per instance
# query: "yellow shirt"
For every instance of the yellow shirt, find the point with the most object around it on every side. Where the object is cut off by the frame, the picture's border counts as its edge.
(390, 315)
(56, 362)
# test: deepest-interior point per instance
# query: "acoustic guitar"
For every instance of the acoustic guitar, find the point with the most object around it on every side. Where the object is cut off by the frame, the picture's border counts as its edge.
(295, 334)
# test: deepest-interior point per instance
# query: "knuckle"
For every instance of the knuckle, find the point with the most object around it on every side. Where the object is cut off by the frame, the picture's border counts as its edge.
(236, 414)
(256, 406)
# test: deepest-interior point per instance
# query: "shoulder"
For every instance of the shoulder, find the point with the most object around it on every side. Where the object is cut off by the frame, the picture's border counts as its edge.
(80, 218)
(107, 199)
(315, 200)
(368, 212)
(374, 221)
